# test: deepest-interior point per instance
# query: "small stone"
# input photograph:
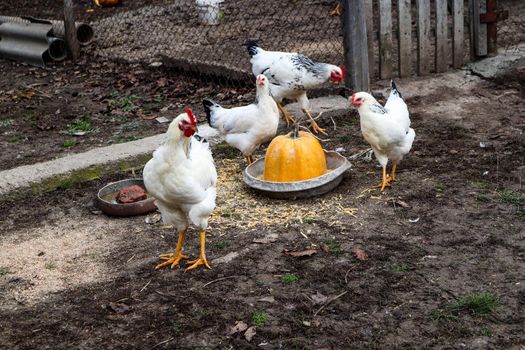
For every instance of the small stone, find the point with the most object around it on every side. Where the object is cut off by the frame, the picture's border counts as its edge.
(162, 120)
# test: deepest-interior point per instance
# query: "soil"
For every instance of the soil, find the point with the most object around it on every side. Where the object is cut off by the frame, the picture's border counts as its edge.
(378, 270)
(451, 227)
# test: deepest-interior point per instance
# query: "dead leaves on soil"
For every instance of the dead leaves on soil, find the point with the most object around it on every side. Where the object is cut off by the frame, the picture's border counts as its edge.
(241, 326)
(300, 253)
(360, 254)
(119, 308)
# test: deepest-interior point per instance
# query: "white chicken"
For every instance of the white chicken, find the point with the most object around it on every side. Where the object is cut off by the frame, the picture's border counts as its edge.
(246, 127)
(387, 129)
(182, 178)
(290, 75)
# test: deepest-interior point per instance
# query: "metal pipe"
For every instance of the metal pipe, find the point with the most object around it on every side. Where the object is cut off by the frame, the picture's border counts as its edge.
(84, 31)
(31, 43)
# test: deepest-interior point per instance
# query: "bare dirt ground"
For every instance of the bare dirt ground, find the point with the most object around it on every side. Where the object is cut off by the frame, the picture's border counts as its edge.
(450, 228)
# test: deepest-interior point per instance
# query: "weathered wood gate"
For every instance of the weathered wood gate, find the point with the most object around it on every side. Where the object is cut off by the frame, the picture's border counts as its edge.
(382, 40)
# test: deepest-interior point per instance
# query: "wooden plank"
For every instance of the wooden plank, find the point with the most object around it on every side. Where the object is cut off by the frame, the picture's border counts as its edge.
(458, 33)
(424, 51)
(385, 39)
(355, 44)
(73, 46)
(370, 36)
(405, 38)
(441, 37)
(479, 29)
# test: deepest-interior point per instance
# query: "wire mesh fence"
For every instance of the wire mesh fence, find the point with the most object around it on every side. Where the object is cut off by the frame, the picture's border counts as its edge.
(201, 37)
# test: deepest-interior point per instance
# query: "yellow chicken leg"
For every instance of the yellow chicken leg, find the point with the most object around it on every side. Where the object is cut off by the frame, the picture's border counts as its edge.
(202, 258)
(393, 176)
(174, 259)
(249, 159)
(386, 180)
(313, 124)
(287, 116)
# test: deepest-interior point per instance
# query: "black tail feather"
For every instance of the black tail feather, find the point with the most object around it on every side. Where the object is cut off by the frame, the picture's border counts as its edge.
(207, 103)
(252, 46)
(393, 87)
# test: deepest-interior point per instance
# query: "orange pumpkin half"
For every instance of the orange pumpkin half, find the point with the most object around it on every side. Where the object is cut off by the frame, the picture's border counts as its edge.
(294, 157)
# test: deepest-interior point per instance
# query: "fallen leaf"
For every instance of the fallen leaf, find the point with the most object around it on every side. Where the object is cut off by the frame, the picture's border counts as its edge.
(250, 333)
(360, 254)
(316, 323)
(119, 308)
(318, 298)
(301, 253)
(240, 326)
(162, 82)
(266, 239)
(307, 323)
(402, 204)
(269, 299)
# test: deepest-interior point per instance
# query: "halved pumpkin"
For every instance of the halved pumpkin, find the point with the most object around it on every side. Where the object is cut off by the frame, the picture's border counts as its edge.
(296, 156)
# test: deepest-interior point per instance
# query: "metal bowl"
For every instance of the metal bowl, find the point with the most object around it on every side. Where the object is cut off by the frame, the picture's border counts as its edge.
(298, 189)
(107, 203)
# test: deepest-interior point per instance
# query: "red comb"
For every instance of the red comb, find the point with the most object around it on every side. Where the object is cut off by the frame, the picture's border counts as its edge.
(193, 120)
(343, 69)
(353, 97)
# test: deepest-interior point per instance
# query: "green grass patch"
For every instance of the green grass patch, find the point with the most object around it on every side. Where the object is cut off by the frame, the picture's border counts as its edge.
(475, 304)
(483, 198)
(440, 187)
(334, 247)
(290, 278)
(69, 143)
(309, 219)
(81, 125)
(259, 318)
(50, 265)
(512, 197)
(220, 245)
(125, 103)
(482, 185)
(5, 271)
(485, 332)
(400, 267)
(7, 122)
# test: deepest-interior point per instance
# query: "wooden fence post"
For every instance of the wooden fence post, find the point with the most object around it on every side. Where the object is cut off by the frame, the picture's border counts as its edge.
(385, 39)
(356, 45)
(70, 30)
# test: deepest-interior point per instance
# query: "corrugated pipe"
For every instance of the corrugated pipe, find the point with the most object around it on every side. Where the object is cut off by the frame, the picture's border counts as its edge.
(84, 31)
(31, 43)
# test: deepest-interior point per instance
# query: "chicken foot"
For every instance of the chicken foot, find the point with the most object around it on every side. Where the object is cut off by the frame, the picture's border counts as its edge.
(249, 159)
(288, 118)
(313, 124)
(386, 180)
(175, 258)
(393, 176)
(202, 257)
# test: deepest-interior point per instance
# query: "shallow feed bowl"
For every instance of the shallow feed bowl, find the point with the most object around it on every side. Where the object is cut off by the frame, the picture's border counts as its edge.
(107, 203)
(298, 189)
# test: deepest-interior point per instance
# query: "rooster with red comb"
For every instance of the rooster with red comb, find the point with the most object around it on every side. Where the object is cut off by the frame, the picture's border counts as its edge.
(290, 74)
(182, 178)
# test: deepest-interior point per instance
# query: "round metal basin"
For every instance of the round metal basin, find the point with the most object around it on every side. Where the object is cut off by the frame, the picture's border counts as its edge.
(336, 163)
(107, 203)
